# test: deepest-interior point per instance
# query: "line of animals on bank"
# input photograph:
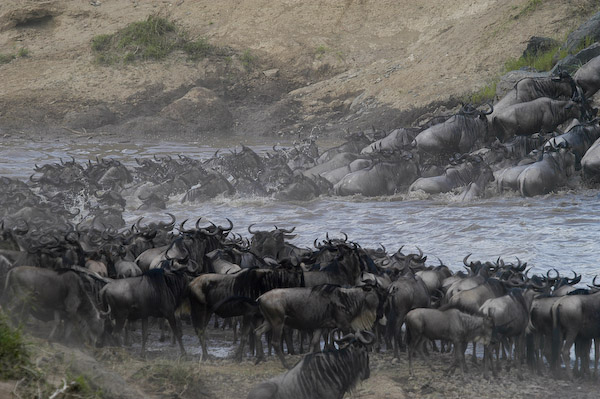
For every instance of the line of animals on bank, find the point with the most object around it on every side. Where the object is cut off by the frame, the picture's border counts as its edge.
(517, 143)
(90, 283)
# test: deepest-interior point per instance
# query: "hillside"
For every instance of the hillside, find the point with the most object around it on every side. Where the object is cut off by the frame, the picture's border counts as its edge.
(286, 67)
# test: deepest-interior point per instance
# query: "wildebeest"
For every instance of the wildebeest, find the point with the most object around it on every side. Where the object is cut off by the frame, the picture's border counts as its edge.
(324, 375)
(404, 294)
(470, 170)
(548, 174)
(510, 314)
(560, 87)
(573, 317)
(381, 178)
(53, 295)
(317, 308)
(451, 325)
(540, 115)
(156, 293)
(398, 139)
(459, 133)
(588, 77)
(579, 139)
(210, 293)
(590, 163)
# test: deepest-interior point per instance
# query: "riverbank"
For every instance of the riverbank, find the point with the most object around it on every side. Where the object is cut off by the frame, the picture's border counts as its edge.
(281, 72)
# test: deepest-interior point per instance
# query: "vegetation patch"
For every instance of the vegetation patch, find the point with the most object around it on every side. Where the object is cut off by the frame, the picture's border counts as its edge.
(153, 39)
(21, 53)
(14, 357)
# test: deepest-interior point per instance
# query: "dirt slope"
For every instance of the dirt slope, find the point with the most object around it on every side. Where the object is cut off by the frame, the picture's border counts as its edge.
(340, 64)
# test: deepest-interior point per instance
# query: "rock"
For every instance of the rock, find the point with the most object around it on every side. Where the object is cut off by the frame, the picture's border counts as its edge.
(571, 63)
(201, 107)
(508, 81)
(91, 118)
(147, 126)
(589, 30)
(271, 73)
(28, 15)
(538, 45)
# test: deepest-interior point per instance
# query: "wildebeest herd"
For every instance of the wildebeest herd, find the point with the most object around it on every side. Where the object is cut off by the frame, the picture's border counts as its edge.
(67, 258)
(337, 292)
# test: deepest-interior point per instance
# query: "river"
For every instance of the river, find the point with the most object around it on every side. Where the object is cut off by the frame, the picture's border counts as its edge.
(560, 230)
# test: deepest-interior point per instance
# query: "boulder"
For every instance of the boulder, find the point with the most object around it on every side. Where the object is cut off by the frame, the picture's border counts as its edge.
(200, 107)
(538, 45)
(589, 30)
(573, 62)
(91, 118)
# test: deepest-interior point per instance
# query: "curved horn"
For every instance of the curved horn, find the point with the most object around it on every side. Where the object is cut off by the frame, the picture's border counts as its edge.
(594, 282)
(552, 278)
(465, 260)
(250, 229)
(576, 279)
(365, 336)
(105, 314)
(164, 225)
(229, 228)
(286, 231)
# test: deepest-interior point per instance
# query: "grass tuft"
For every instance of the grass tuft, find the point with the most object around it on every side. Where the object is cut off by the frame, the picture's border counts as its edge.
(13, 354)
(152, 39)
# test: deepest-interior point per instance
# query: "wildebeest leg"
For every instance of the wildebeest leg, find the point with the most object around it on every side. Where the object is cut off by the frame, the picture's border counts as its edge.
(258, 332)
(144, 335)
(245, 331)
(276, 342)
(119, 323)
(200, 318)
(55, 325)
(462, 347)
(177, 333)
(566, 349)
(289, 341)
(315, 342)
(596, 350)
(474, 356)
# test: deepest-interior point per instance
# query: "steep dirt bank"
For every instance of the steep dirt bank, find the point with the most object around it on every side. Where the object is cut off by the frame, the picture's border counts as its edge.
(315, 66)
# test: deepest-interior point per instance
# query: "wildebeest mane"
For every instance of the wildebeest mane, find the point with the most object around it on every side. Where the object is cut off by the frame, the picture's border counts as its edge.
(324, 289)
(339, 369)
(252, 283)
(165, 285)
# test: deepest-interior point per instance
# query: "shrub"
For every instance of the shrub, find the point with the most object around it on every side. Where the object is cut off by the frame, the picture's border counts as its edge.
(154, 38)
(13, 354)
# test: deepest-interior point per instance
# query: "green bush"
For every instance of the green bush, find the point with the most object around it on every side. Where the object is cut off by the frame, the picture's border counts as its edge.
(6, 58)
(152, 39)
(13, 354)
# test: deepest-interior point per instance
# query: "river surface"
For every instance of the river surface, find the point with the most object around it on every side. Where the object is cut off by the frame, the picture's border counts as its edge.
(561, 230)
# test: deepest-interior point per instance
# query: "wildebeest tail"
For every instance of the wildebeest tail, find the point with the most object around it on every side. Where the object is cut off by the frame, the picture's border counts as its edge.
(556, 336)
(530, 348)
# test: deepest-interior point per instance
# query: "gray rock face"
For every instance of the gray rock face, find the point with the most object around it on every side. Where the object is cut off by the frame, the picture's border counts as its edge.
(572, 63)
(589, 30)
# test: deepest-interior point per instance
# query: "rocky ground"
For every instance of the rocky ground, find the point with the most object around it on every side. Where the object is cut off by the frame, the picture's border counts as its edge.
(121, 373)
(289, 69)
